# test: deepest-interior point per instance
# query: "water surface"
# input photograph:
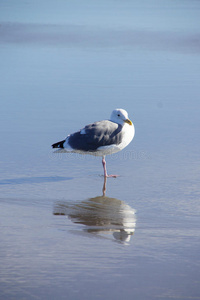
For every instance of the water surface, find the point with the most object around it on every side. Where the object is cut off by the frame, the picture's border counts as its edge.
(64, 65)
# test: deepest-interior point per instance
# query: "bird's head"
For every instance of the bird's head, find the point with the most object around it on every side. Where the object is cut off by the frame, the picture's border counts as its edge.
(120, 116)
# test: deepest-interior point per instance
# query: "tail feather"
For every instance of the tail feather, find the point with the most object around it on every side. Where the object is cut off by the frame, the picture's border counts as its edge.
(58, 145)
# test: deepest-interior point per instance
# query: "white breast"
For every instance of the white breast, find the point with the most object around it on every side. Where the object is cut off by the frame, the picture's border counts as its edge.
(128, 135)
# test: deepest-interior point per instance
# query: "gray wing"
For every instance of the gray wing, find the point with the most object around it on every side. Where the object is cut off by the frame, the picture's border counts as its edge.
(98, 134)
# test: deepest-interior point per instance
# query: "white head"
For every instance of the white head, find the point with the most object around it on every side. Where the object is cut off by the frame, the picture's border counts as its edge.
(120, 116)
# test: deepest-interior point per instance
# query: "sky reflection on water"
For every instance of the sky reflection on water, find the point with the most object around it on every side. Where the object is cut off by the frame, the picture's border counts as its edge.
(65, 64)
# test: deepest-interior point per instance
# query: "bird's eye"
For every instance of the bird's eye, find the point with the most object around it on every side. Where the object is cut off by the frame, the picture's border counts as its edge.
(118, 115)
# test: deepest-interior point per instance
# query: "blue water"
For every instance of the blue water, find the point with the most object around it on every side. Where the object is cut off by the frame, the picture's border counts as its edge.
(65, 64)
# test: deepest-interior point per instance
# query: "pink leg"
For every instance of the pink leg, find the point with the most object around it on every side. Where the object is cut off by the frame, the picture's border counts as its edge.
(104, 168)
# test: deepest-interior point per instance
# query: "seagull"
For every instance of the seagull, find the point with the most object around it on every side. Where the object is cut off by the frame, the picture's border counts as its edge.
(100, 138)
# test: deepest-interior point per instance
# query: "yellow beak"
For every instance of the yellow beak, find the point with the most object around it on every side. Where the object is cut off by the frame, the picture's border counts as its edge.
(128, 122)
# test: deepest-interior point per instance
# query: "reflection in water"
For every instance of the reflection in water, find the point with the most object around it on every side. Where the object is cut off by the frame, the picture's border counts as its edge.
(101, 215)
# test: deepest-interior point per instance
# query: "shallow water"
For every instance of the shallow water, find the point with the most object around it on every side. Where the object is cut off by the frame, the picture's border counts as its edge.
(64, 65)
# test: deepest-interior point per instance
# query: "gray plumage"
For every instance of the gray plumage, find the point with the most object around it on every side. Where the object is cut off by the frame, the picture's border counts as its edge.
(93, 136)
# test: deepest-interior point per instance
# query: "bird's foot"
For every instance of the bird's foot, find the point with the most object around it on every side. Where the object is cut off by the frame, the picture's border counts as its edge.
(111, 176)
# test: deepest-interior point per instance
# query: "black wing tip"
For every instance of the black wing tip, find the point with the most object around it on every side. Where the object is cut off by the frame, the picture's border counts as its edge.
(58, 145)
(54, 146)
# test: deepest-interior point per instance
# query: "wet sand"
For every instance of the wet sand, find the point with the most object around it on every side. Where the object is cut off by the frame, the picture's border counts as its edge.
(66, 65)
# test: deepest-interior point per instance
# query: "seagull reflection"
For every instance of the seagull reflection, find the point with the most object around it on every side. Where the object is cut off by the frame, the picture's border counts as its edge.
(101, 216)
